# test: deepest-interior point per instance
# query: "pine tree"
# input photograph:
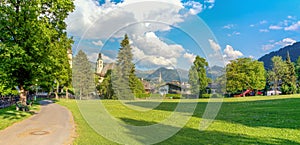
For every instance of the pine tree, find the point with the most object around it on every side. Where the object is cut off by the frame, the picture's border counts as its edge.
(197, 76)
(289, 78)
(297, 68)
(125, 82)
(83, 77)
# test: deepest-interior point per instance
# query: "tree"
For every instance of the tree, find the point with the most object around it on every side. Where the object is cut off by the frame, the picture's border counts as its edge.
(289, 78)
(197, 76)
(125, 81)
(30, 30)
(297, 68)
(83, 76)
(278, 71)
(243, 74)
(105, 88)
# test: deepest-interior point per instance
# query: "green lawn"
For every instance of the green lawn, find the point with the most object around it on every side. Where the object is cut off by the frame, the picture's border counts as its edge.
(251, 120)
(9, 115)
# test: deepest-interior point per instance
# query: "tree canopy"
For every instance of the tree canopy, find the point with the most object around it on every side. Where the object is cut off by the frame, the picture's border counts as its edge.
(83, 76)
(32, 34)
(197, 76)
(245, 73)
(125, 82)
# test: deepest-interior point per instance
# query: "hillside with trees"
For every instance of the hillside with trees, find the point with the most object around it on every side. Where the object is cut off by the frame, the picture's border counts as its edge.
(294, 51)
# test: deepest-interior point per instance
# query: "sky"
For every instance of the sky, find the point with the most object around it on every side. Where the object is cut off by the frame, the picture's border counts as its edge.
(171, 33)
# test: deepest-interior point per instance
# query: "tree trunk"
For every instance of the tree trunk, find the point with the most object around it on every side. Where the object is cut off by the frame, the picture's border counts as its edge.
(23, 97)
(57, 88)
(67, 92)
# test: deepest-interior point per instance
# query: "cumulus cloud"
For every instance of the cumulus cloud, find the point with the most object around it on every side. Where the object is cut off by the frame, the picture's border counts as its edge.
(293, 27)
(190, 57)
(215, 46)
(231, 54)
(195, 7)
(91, 21)
(282, 43)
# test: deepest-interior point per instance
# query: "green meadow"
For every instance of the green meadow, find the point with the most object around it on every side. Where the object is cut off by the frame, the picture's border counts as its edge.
(250, 120)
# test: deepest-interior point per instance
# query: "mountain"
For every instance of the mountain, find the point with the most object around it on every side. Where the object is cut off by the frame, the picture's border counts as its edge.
(167, 75)
(143, 74)
(294, 51)
(214, 72)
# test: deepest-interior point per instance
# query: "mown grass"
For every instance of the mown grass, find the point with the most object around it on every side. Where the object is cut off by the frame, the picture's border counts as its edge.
(10, 115)
(251, 120)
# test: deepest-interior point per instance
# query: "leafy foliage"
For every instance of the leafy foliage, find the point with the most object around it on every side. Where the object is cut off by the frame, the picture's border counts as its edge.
(245, 73)
(197, 76)
(278, 71)
(31, 31)
(289, 78)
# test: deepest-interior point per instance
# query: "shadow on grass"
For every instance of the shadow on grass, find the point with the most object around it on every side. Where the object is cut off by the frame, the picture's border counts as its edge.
(192, 136)
(280, 113)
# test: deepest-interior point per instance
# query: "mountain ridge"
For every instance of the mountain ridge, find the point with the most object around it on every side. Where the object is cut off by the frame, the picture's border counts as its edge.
(294, 51)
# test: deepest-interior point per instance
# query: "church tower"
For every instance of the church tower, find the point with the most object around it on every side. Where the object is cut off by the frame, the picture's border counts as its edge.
(160, 78)
(99, 64)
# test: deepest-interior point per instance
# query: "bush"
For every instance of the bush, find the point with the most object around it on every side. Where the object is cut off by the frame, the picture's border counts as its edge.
(173, 96)
(205, 95)
(142, 96)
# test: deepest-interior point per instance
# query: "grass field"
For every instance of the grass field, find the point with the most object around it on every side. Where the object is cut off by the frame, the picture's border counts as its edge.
(252, 120)
(9, 115)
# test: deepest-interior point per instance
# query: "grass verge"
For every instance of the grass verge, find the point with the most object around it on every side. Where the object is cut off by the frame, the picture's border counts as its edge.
(9, 115)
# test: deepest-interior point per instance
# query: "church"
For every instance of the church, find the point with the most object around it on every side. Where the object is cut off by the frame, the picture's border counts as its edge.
(101, 68)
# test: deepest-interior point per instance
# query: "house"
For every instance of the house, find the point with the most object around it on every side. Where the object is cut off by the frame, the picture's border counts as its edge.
(273, 92)
(170, 88)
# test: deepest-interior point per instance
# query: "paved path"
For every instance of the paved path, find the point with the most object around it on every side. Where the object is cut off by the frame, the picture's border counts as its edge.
(53, 125)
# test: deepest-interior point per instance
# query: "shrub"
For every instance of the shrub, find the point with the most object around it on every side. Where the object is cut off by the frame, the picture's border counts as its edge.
(205, 95)
(173, 96)
(142, 96)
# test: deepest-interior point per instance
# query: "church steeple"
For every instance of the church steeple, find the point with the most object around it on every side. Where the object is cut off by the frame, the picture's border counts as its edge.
(99, 64)
(160, 78)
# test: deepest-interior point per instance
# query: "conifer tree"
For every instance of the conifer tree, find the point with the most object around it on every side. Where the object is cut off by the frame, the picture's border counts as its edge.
(125, 82)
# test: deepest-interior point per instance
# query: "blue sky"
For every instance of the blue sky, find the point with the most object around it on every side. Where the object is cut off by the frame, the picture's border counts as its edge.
(161, 31)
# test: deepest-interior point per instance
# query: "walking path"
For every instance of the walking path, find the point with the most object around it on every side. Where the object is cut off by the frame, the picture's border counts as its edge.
(53, 125)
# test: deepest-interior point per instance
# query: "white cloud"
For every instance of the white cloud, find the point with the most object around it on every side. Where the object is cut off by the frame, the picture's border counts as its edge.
(264, 30)
(98, 43)
(215, 46)
(274, 27)
(151, 50)
(231, 54)
(268, 47)
(263, 22)
(293, 27)
(195, 7)
(229, 26)
(211, 3)
(90, 20)
(191, 57)
(252, 25)
(286, 42)
(234, 33)
(282, 43)
(291, 17)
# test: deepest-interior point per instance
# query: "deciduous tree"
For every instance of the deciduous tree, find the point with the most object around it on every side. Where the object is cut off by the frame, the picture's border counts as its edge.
(30, 30)
(243, 74)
